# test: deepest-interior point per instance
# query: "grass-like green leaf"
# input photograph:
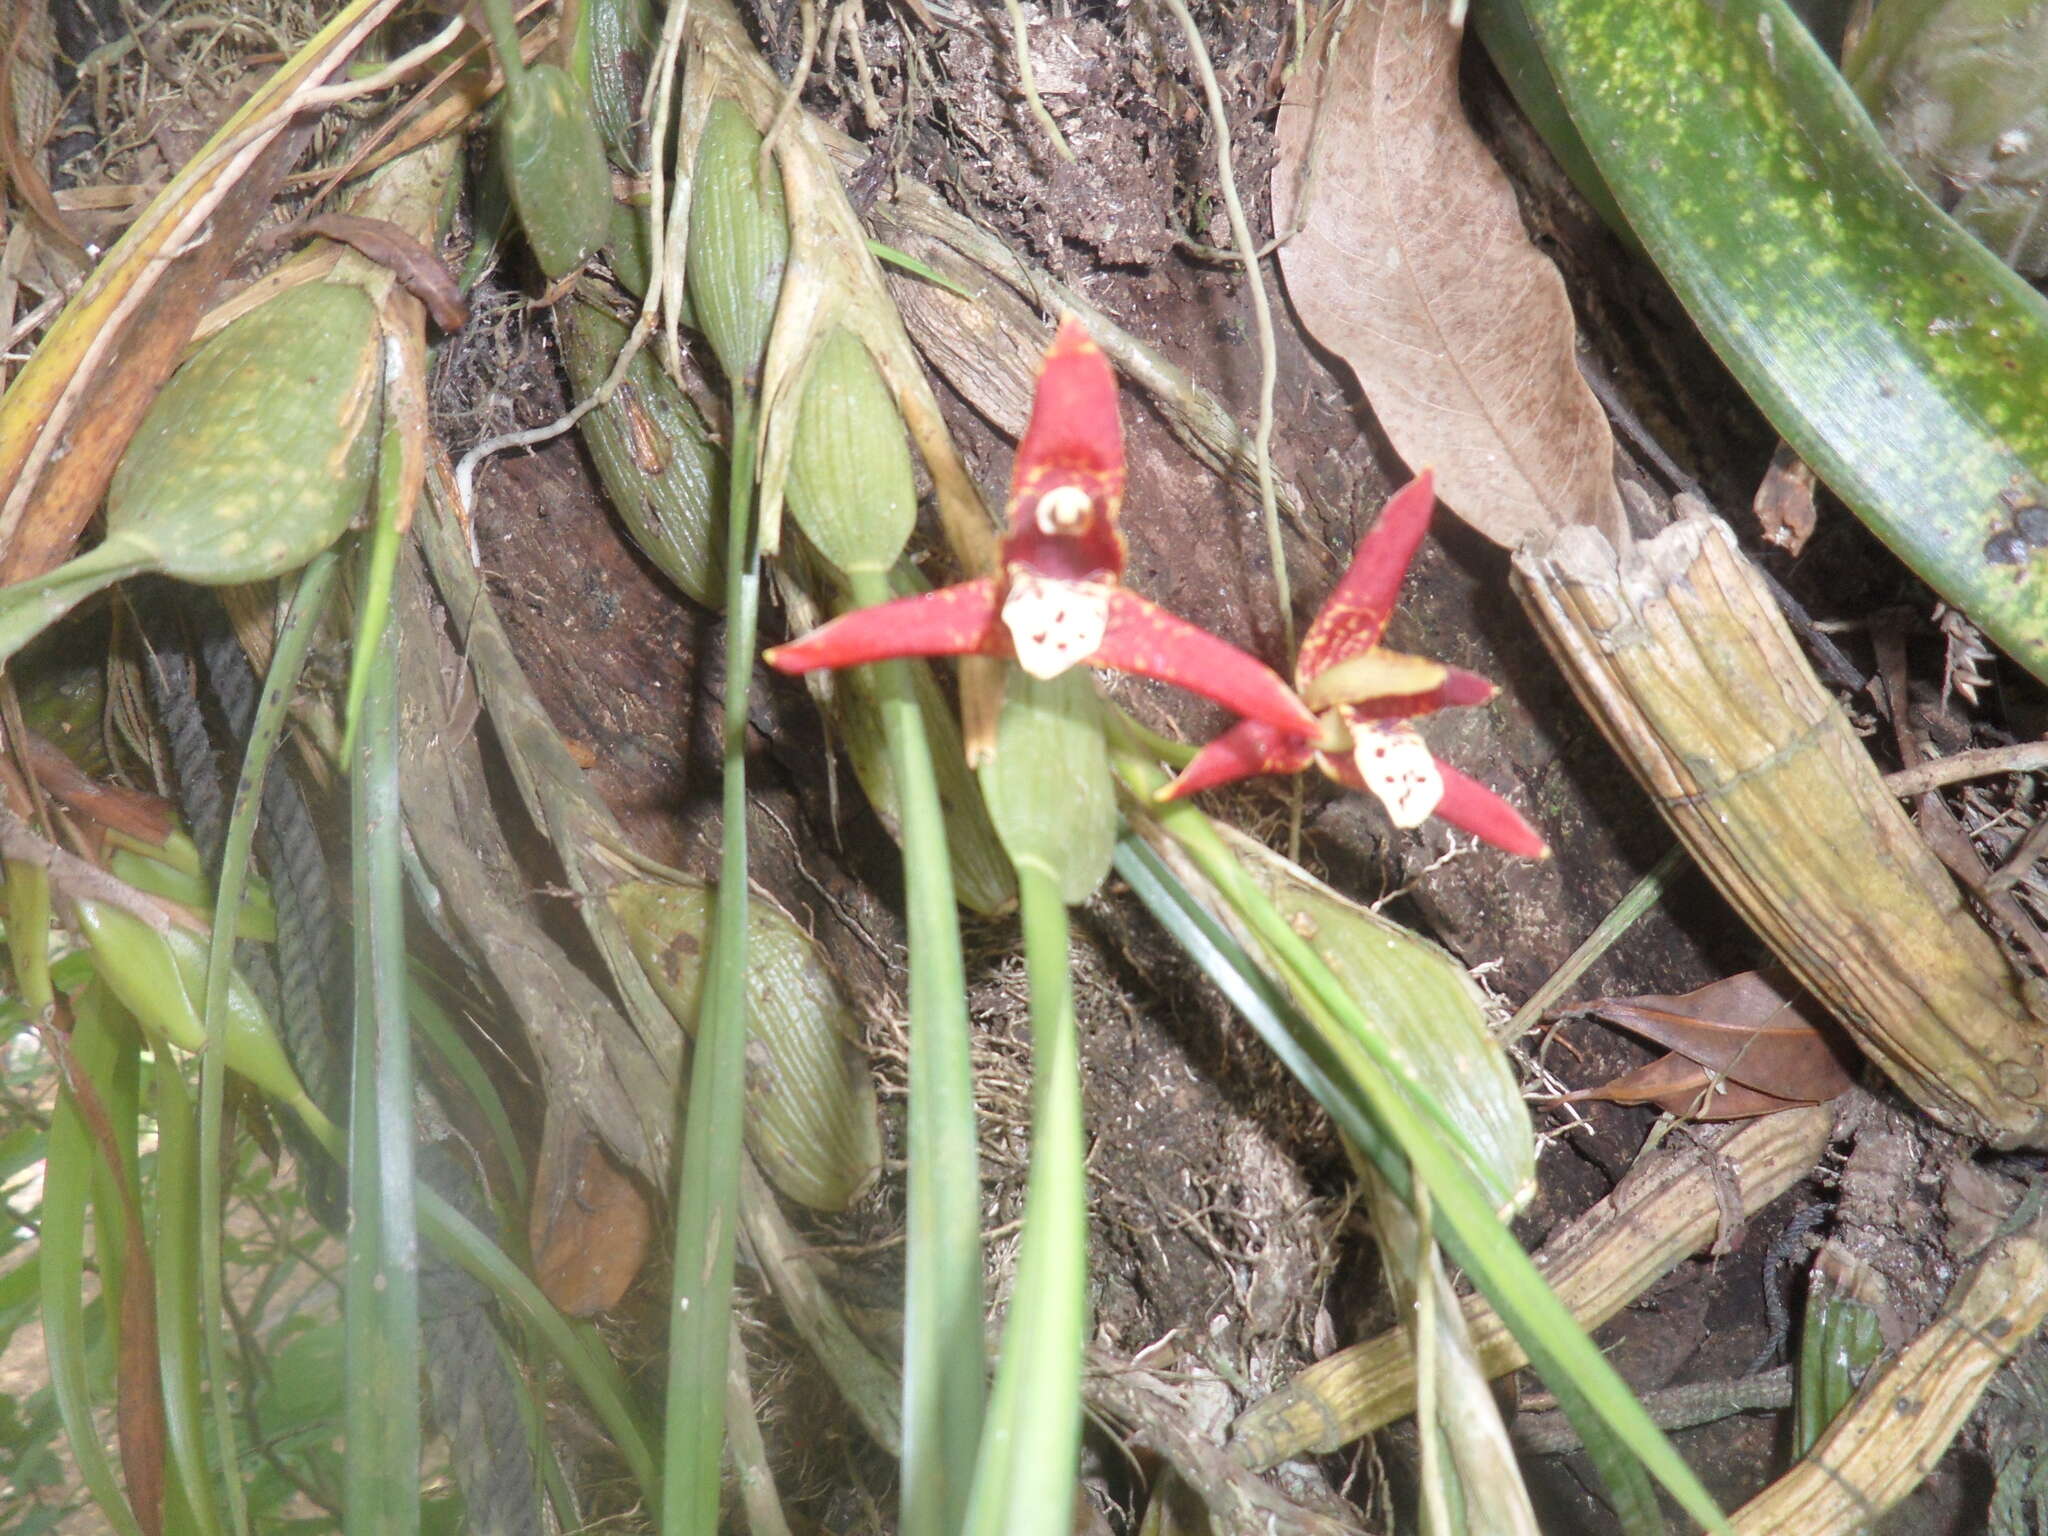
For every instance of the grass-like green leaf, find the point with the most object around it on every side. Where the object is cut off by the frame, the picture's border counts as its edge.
(595, 1373)
(1902, 359)
(707, 1200)
(1374, 1106)
(942, 1286)
(1031, 1439)
(294, 638)
(67, 1182)
(381, 1296)
(178, 1308)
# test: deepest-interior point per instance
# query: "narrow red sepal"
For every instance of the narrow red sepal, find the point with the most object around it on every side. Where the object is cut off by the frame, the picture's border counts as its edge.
(1074, 422)
(1459, 688)
(1145, 639)
(959, 620)
(1247, 748)
(1355, 615)
(1068, 484)
(1471, 807)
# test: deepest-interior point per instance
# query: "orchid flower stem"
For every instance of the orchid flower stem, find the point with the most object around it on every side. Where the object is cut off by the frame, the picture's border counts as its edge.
(1262, 315)
(942, 1307)
(707, 1198)
(504, 32)
(1030, 1448)
(1175, 754)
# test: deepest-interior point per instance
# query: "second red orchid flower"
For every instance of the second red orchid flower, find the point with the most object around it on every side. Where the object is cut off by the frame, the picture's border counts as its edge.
(1366, 695)
(1059, 599)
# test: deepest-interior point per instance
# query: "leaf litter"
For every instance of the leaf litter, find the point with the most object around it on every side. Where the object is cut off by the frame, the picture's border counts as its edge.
(1409, 261)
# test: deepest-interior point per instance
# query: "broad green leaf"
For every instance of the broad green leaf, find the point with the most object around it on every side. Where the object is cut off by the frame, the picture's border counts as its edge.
(1901, 359)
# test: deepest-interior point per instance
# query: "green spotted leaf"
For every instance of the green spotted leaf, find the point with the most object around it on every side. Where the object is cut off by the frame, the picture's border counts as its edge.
(1897, 355)
(255, 457)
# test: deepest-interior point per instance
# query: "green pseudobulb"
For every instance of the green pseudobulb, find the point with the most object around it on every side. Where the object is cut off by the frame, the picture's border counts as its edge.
(255, 457)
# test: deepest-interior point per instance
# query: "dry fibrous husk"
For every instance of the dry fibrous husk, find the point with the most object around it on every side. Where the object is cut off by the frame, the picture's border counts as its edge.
(1673, 1203)
(1679, 653)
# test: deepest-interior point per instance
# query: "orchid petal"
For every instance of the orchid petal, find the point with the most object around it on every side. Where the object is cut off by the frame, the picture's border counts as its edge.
(1466, 804)
(1146, 640)
(1068, 484)
(1248, 747)
(1375, 673)
(959, 620)
(1471, 807)
(1459, 688)
(1355, 615)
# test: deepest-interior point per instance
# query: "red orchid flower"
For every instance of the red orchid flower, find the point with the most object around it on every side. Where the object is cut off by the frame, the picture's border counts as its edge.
(1059, 599)
(1366, 696)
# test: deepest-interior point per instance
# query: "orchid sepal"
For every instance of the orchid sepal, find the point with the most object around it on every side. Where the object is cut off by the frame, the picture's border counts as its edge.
(1146, 640)
(1465, 803)
(1247, 749)
(1355, 614)
(1471, 807)
(960, 620)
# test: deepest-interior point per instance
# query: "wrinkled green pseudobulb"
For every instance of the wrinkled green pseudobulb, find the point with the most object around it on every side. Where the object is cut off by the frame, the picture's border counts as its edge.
(810, 1099)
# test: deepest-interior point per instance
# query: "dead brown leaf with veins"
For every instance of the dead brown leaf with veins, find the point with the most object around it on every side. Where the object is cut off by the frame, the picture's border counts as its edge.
(1745, 1045)
(1409, 260)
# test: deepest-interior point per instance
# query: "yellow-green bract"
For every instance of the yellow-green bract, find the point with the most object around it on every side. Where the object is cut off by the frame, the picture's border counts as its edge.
(850, 484)
(1048, 787)
(161, 979)
(739, 240)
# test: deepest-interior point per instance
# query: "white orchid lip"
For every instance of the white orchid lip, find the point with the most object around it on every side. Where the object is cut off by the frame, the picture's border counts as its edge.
(1054, 624)
(1396, 765)
(1062, 509)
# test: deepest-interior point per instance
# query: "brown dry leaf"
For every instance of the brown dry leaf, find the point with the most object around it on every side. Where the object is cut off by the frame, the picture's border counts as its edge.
(1784, 501)
(1682, 1087)
(425, 275)
(590, 1225)
(1757, 1029)
(1412, 265)
(140, 815)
